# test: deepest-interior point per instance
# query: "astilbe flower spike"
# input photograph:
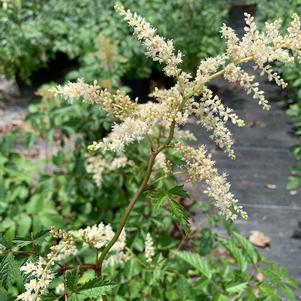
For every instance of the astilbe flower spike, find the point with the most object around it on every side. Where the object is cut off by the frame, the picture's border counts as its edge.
(149, 249)
(191, 97)
(42, 272)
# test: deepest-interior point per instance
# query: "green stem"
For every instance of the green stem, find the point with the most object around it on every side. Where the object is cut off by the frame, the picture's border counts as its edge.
(129, 208)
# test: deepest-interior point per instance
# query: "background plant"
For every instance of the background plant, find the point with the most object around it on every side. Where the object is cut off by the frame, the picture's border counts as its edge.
(228, 268)
(27, 43)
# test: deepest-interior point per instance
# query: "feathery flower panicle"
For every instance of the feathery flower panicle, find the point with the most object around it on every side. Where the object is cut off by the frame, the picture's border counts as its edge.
(129, 131)
(200, 167)
(157, 48)
(99, 165)
(118, 105)
(190, 97)
(220, 133)
(272, 75)
(164, 164)
(209, 66)
(235, 73)
(149, 249)
(41, 272)
(213, 104)
(98, 236)
(41, 277)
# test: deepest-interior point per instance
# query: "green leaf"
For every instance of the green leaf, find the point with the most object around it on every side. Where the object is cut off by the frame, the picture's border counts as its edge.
(72, 278)
(39, 237)
(247, 246)
(237, 288)
(179, 190)
(223, 298)
(159, 197)
(96, 287)
(236, 253)
(162, 197)
(196, 261)
(7, 268)
(289, 293)
(5, 243)
(24, 223)
(293, 182)
(269, 291)
(179, 212)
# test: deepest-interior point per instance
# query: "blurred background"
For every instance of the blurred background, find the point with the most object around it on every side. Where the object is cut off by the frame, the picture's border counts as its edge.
(43, 180)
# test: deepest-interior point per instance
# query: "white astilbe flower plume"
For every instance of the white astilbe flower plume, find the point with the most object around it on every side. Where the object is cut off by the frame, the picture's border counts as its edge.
(235, 73)
(129, 131)
(99, 165)
(149, 250)
(41, 273)
(157, 48)
(200, 167)
(191, 97)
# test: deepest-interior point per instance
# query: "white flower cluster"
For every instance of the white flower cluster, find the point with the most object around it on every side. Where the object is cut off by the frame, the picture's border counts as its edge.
(41, 277)
(122, 134)
(190, 97)
(42, 271)
(98, 236)
(200, 167)
(162, 163)
(99, 165)
(149, 250)
(157, 48)
(118, 104)
(235, 73)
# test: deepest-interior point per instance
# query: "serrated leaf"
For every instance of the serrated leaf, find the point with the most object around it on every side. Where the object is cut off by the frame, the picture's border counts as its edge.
(72, 278)
(197, 262)
(159, 197)
(237, 288)
(5, 243)
(7, 268)
(247, 246)
(96, 287)
(269, 291)
(21, 242)
(179, 190)
(289, 293)
(179, 212)
(236, 253)
(39, 237)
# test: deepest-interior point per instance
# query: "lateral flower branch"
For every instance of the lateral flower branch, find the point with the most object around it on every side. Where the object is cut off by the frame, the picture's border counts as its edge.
(189, 97)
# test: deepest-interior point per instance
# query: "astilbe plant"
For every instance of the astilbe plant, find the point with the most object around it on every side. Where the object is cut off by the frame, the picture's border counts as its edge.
(161, 121)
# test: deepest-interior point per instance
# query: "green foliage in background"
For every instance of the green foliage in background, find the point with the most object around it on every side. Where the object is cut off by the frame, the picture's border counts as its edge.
(57, 190)
(33, 31)
(229, 268)
(278, 9)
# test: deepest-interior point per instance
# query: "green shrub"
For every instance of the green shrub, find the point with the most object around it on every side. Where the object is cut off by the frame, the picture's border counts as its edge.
(33, 31)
